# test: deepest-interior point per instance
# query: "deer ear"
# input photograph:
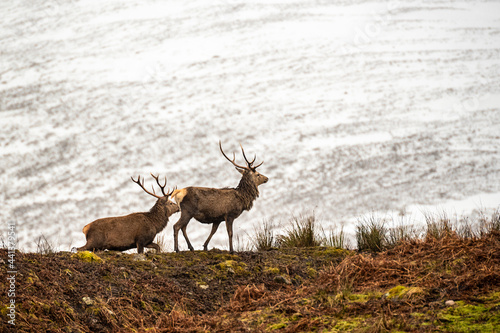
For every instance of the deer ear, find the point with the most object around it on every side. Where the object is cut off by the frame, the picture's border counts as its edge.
(242, 171)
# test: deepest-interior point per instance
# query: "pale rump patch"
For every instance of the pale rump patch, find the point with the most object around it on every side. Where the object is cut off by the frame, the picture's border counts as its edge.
(178, 195)
(86, 229)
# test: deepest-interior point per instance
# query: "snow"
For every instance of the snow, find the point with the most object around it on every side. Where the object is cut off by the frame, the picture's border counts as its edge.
(354, 106)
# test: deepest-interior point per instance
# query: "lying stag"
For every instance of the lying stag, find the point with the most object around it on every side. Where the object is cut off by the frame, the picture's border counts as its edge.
(134, 230)
(213, 206)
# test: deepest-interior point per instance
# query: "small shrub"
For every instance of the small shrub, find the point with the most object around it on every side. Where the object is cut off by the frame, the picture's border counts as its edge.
(263, 238)
(371, 234)
(302, 233)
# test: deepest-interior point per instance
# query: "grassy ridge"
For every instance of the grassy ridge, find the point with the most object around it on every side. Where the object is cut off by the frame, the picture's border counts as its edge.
(437, 282)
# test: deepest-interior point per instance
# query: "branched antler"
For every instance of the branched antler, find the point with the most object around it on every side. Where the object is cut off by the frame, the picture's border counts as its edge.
(162, 187)
(250, 164)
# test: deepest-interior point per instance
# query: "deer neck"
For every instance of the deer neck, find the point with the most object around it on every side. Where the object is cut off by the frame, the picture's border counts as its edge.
(248, 192)
(159, 216)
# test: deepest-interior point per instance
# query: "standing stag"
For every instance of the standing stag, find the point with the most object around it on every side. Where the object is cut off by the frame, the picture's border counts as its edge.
(213, 205)
(134, 230)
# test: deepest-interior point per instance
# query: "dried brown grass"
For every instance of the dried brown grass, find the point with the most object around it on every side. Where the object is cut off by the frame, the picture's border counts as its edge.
(451, 264)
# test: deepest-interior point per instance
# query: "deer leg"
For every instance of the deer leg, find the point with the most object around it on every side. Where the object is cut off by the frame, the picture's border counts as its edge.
(181, 224)
(89, 246)
(186, 238)
(153, 246)
(140, 247)
(214, 229)
(229, 227)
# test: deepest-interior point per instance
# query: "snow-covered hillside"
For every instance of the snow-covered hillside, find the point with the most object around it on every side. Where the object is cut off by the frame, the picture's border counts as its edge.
(353, 105)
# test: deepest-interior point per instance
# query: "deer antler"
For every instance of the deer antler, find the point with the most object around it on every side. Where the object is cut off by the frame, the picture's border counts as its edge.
(249, 167)
(234, 157)
(250, 163)
(162, 187)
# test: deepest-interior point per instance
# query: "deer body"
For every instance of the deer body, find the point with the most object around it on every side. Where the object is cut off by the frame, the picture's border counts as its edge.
(217, 205)
(136, 230)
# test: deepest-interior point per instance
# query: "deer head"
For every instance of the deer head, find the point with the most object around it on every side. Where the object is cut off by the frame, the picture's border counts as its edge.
(250, 170)
(162, 200)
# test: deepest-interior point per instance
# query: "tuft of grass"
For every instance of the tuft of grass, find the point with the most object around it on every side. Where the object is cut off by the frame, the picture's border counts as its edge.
(303, 232)
(43, 246)
(401, 231)
(494, 225)
(242, 244)
(438, 226)
(263, 238)
(468, 229)
(479, 225)
(336, 239)
(371, 234)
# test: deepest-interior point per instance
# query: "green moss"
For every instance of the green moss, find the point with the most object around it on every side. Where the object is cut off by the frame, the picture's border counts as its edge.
(87, 256)
(272, 270)
(202, 254)
(358, 298)
(311, 272)
(278, 320)
(33, 277)
(4, 310)
(69, 310)
(286, 257)
(93, 310)
(305, 301)
(336, 324)
(346, 295)
(349, 324)
(493, 297)
(469, 318)
(276, 326)
(402, 292)
(226, 256)
(234, 267)
(331, 252)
